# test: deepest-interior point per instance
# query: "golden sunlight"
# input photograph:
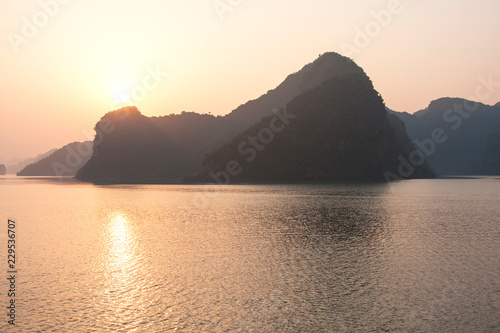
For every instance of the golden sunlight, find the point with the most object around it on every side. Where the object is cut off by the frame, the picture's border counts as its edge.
(119, 232)
(120, 93)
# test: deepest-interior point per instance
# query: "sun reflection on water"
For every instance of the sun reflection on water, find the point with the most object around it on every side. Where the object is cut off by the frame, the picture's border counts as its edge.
(121, 268)
(121, 241)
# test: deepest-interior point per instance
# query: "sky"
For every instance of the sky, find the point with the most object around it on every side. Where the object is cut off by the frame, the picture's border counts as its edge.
(65, 63)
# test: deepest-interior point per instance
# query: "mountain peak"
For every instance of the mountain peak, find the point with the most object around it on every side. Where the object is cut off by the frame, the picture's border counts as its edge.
(123, 113)
(442, 104)
(325, 67)
(331, 56)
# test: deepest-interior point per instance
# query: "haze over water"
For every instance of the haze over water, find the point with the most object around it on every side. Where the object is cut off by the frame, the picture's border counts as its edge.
(418, 255)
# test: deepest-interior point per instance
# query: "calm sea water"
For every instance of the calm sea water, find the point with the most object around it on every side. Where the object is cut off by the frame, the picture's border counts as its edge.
(416, 256)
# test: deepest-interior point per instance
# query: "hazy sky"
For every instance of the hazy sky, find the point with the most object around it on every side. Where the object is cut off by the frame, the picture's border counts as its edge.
(63, 64)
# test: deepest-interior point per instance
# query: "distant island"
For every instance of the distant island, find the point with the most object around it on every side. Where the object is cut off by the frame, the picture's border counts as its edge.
(3, 169)
(16, 165)
(470, 142)
(65, 161)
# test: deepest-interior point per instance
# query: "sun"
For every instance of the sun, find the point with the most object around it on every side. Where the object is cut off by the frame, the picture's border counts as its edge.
(120, 93)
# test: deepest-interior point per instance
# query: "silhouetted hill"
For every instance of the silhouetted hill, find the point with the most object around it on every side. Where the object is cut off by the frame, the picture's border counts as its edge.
(18, 166)
(157, 149)
(142, 149)
(338, 131)
(65, 161)
(467, 141)
(3, 169)
(326, 66)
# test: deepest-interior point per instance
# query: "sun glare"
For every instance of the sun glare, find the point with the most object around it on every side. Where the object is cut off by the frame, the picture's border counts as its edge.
(120, 93)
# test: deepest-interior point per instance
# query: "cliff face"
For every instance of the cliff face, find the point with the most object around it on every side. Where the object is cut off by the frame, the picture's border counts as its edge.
(337, 131)
(3, 169)
(65, 161)
(466, 144)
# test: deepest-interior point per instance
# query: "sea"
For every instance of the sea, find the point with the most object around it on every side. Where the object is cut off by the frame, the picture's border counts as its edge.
(407, 256)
